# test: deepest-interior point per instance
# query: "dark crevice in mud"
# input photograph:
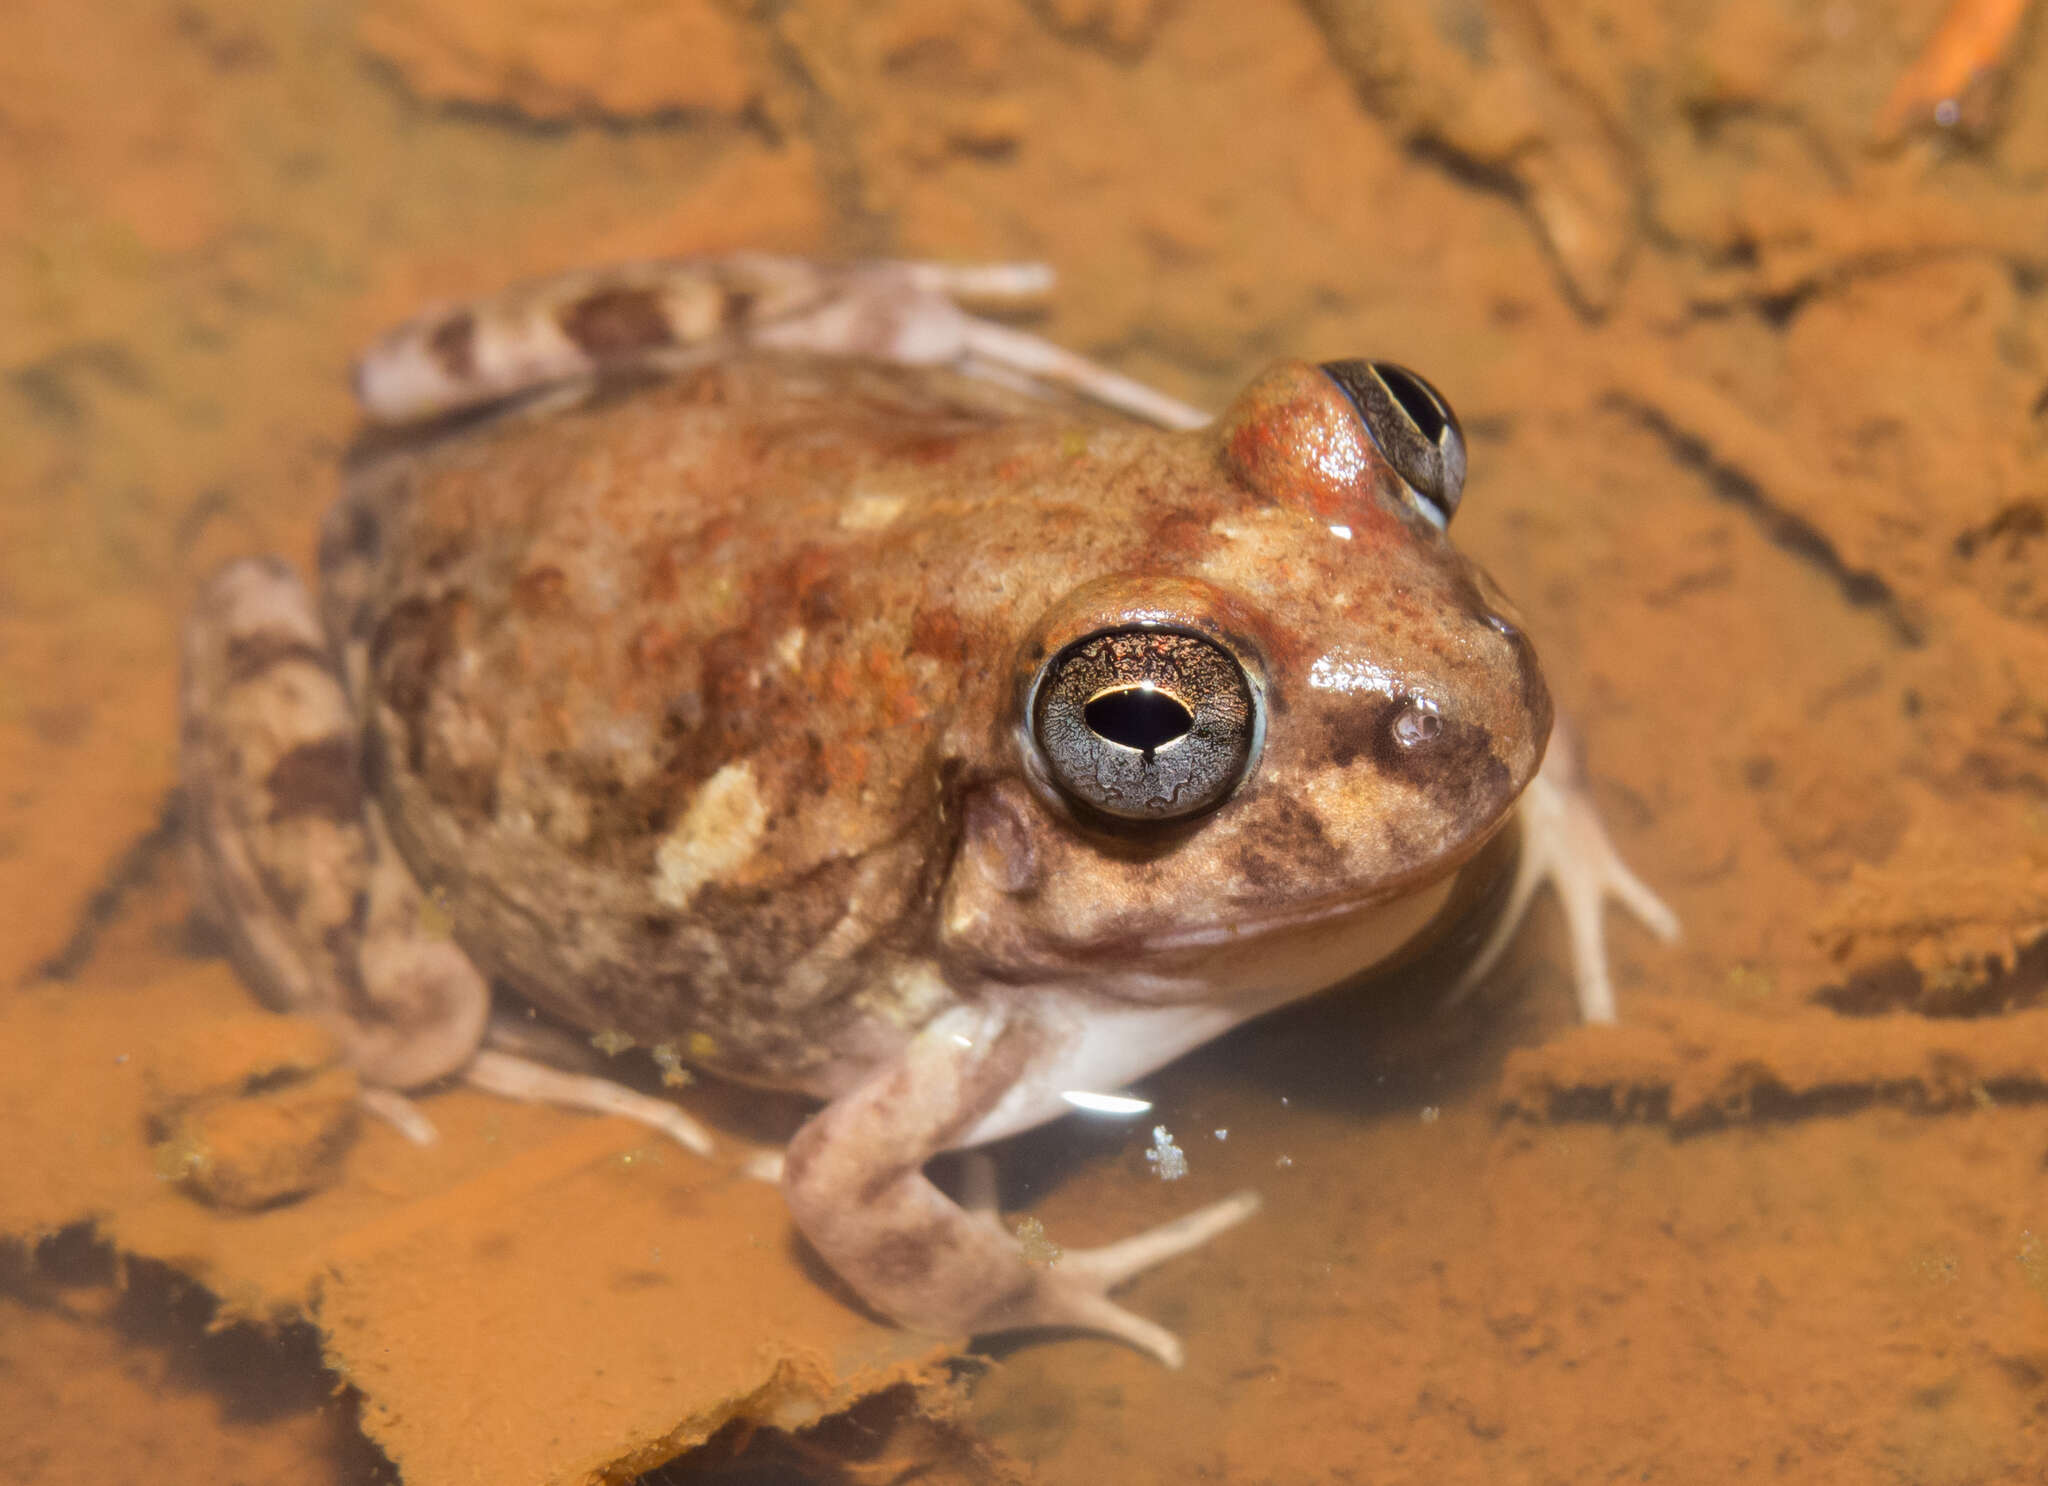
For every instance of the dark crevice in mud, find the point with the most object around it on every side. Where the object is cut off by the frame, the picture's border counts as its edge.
(1467, 170)
(60, 388)
(255, 1373)
(1783, 303)
(863, 231)
(1497, 180)
(1784, 529)
(1995, 988)
(1761, 1100)
(509, 118)
(893, 1435)
(133, 870)
(1097, 34)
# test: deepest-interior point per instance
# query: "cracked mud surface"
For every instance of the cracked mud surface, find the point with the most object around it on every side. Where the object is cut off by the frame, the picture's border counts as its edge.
(1756, 379)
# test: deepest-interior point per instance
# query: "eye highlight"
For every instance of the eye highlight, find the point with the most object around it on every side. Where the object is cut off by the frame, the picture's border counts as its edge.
(1144, 723)
(1412, 426)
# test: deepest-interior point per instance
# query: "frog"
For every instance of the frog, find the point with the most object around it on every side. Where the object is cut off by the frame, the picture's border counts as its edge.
(794, 665)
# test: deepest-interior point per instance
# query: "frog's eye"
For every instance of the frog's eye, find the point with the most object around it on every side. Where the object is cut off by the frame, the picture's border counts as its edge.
(1414, 428)
(1144, 723)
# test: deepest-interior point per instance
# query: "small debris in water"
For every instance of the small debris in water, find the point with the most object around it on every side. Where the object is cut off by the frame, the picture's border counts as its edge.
(1430, 1114)
(669, 1059)
(1039, 1251)
(1168, 1159)
(1284, 1162)
(1223, 1135)
(612, 1043)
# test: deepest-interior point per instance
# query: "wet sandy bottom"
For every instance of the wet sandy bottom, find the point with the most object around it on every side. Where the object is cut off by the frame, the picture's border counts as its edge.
(1753, 372)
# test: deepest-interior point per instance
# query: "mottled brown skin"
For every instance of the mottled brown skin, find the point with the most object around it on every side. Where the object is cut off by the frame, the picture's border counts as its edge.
(787, 610)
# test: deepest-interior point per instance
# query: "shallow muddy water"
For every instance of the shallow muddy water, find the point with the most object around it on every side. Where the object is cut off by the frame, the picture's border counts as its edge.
(1752, 354)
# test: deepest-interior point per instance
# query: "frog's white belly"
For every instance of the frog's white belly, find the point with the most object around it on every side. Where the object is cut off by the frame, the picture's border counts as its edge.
(1099, 1044)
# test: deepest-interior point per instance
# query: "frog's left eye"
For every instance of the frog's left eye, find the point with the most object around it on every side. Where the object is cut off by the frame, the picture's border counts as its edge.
(1144, 723)
(1414, 428)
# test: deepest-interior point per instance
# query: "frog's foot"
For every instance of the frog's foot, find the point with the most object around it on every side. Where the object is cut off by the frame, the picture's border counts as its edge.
(400, 1113)
(514, 1077)
(1074, 1285)
(289, 857)
(681, 312)
(854, 1177)
(1564, 844)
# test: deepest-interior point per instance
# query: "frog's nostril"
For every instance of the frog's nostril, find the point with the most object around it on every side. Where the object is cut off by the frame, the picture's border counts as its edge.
(1141, 717)
(1417, 724)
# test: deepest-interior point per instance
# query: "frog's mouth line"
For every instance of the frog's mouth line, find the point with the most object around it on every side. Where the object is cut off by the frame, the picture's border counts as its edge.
(1326, 944)
(1246, 932)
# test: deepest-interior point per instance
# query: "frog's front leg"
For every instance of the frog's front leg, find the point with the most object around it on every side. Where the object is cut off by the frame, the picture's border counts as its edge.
(289, 856)
(854, 1178)
(1564, 844)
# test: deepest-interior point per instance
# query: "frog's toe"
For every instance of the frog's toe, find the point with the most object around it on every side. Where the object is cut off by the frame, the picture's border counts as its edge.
(1573, 851)
(984, 283)
(399, 1112)
(1078, 1282)
(519, 1078)
(1564, 844)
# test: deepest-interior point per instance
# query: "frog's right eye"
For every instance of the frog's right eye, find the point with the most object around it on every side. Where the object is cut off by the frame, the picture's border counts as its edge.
(1145, 723)
(1412, 426)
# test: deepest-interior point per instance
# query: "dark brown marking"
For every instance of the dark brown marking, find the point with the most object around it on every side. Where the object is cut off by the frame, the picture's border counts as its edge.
(453, 344)
(541, 590)
(358, 538)
(411, 643)
(411, 646)
(903, 1258)
(616, 323)
(814, 580)
(936, 631)
(1291, 847)
(626, 1281)
(737, 310)
(318, 779)
(252, 655)
(446, 553)
(1457, 768)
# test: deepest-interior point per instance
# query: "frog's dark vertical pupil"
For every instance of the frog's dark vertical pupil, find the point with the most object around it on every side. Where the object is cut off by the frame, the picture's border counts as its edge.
(1416, 400)
(1412, 426)
(1140, 717)
(1140, 722)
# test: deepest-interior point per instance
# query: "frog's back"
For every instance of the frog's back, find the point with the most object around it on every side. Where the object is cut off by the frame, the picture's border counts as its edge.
(667, 689)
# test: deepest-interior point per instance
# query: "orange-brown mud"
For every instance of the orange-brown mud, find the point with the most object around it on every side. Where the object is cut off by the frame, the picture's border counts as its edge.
(1754, 362)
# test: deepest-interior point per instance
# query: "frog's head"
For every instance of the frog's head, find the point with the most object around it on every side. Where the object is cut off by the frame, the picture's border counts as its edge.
(1263, 757)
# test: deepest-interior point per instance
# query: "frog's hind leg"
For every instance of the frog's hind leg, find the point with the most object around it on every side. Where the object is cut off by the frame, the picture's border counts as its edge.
(676, 313)
(1564, 844)
(855, 1181)
(288, 855)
